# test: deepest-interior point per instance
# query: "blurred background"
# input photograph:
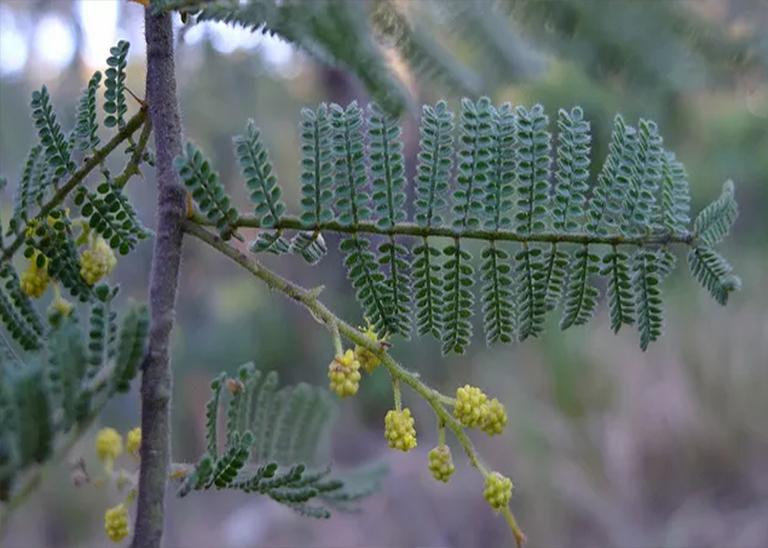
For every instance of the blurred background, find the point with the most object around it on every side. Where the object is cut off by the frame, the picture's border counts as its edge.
(607, 445)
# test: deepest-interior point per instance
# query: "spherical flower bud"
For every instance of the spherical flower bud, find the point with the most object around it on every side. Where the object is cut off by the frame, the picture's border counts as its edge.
(133, 441)
(495, 418)
(399, 430)
(344, 374)
(469, 409)
(109, 444)
(498, 491)
(35, 280)
(116, 523)
(441, 463)
(97, 261)
(369, 360)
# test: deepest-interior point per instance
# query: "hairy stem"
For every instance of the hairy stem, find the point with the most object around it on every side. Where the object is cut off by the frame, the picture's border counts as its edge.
(309, 299)
(166, 263)
(291, 222)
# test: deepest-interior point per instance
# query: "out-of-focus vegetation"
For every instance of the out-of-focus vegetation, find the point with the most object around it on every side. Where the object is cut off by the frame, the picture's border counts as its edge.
(607, 445)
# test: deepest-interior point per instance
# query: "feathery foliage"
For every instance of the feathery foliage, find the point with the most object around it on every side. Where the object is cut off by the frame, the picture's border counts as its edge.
(274, 446)
(504, 191)
(57, 373)
(61, 386)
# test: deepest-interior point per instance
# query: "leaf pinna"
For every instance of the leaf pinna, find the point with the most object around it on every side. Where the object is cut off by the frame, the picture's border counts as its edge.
(274, 439)
(504, 193)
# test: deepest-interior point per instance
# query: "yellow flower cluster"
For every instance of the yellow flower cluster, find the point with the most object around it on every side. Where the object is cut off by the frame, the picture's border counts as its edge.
(116, 523)
(35, 280)
(441, 463)
(399, 430)
(472, 409)
(344, 374)
(97, 261)
(368, 359)
(109, 444)
(133, 441)
(498, 491)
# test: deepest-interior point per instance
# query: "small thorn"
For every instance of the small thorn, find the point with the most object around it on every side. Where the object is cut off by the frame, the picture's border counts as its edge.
(144, 3)
(315, 292)
(140, 101)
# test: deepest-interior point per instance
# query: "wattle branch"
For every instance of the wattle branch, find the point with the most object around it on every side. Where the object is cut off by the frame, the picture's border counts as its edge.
(309, 299)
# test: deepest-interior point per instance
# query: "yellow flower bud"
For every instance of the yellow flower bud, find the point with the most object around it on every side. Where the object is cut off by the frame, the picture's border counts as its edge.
(116, 523)
(133, 441)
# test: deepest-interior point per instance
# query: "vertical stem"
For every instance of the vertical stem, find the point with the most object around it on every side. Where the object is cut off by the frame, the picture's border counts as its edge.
(166, 260)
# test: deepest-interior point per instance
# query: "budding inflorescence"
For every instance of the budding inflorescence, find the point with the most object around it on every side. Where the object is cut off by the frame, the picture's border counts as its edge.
(35, 279)
(344, 374)
(498, 491)
(133, 441)
(473, 409)
(399, 430)
(441, 463)
(116, 523)
(109, 444)
(97, 261)
(368, 359)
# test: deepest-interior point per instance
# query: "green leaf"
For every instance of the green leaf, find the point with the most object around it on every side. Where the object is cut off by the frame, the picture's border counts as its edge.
(501, 184)
(620, 289)
(457, 299)
(498, 295)
(25, 190)
(608, 196)
(645, 160)
(349, 164)
(715, 221)
(580, 297)
(713, 272)
(316, 167)
(87, 124)
(114, 93)
(647, 282)
(385, 153)
(555, 272)
(65, 369)
(212, 416)
(533, 169)
(131, 344)
(428, 289)
(675, 195)
(433, 172)
(52, 140)
(203, 182)
(259, 176)
(474, 164)
(531, 292)
(572, 175)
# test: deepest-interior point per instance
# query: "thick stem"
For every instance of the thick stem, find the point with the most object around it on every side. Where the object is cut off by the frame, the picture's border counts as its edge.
(166, 262)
